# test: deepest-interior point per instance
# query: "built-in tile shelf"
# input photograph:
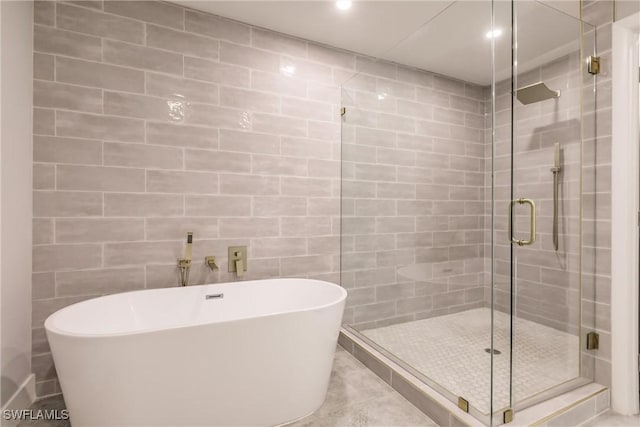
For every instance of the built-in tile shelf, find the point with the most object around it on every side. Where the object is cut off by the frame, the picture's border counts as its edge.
(572, 408)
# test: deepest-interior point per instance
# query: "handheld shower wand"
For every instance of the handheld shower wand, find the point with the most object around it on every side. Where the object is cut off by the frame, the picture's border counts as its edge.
(185, 263)
(556, 172)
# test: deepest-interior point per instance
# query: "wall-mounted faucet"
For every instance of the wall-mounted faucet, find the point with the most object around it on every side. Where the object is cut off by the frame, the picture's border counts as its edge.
(211, 262)
(185, 262)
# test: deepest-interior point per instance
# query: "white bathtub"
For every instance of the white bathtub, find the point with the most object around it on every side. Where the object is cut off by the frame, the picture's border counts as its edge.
(259, 356)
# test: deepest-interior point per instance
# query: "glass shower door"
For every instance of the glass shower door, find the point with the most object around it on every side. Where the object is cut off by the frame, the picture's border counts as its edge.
(543, 243)
(416, 202)
(462, 223)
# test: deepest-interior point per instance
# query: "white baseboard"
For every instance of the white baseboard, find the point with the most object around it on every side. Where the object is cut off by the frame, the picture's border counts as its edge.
(24, 397)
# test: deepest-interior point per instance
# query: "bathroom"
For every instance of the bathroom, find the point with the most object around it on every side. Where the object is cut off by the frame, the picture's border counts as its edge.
(411, 213)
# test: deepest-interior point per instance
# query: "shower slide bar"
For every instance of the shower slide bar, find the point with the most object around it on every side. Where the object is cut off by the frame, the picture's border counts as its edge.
(556, 172)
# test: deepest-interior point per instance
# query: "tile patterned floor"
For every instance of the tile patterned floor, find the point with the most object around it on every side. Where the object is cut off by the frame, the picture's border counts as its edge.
(611, 419)
(47, 404)
(359, 398)
(450, 350)
(356, 398)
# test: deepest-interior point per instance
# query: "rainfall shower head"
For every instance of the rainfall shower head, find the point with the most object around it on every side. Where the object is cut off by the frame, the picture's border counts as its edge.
(535, 93)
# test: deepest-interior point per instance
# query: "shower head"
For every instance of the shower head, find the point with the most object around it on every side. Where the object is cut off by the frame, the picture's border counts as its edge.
(535, 93)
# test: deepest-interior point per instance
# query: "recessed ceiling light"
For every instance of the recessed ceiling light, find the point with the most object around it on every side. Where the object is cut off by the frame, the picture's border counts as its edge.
(494, 34)
(344, 4)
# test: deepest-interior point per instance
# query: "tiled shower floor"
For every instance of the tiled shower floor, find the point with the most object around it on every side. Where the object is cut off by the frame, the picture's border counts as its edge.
(450, 350)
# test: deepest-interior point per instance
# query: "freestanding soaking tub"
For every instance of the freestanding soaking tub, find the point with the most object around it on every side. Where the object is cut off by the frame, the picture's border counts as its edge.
(255, 353)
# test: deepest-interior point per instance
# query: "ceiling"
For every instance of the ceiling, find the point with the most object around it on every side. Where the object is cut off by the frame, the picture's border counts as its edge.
(445, 37)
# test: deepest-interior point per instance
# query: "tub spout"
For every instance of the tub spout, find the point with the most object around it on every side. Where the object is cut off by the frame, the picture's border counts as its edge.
(211, 262)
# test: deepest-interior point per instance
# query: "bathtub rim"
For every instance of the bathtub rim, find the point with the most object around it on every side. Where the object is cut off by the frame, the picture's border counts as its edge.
(52, 329)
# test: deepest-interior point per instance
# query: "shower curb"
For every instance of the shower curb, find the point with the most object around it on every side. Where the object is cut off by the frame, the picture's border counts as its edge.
(576, 406)
(427, 400)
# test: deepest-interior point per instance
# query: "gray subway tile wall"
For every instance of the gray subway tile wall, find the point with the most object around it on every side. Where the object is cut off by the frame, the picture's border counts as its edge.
(151, 120)
(407, 149)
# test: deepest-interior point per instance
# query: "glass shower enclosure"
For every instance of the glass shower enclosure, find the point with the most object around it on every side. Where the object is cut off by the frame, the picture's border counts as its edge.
(464, 194)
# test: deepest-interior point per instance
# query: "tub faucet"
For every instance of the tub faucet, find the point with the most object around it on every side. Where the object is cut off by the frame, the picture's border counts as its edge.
(185, 263)
(211, 262)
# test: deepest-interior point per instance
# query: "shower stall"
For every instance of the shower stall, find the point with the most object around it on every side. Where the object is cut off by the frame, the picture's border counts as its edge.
(467, 199)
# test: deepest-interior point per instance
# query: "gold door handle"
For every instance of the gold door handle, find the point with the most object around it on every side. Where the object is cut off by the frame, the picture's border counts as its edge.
(532, 230)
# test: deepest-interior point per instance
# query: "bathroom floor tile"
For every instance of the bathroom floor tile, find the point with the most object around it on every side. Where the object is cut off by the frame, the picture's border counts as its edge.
(356, 398)
(47, 404)
(390, 410)
(611, 419)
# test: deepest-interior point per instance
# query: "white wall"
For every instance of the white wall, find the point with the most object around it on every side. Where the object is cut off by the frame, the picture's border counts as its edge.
(625, 204)
(16, 147)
